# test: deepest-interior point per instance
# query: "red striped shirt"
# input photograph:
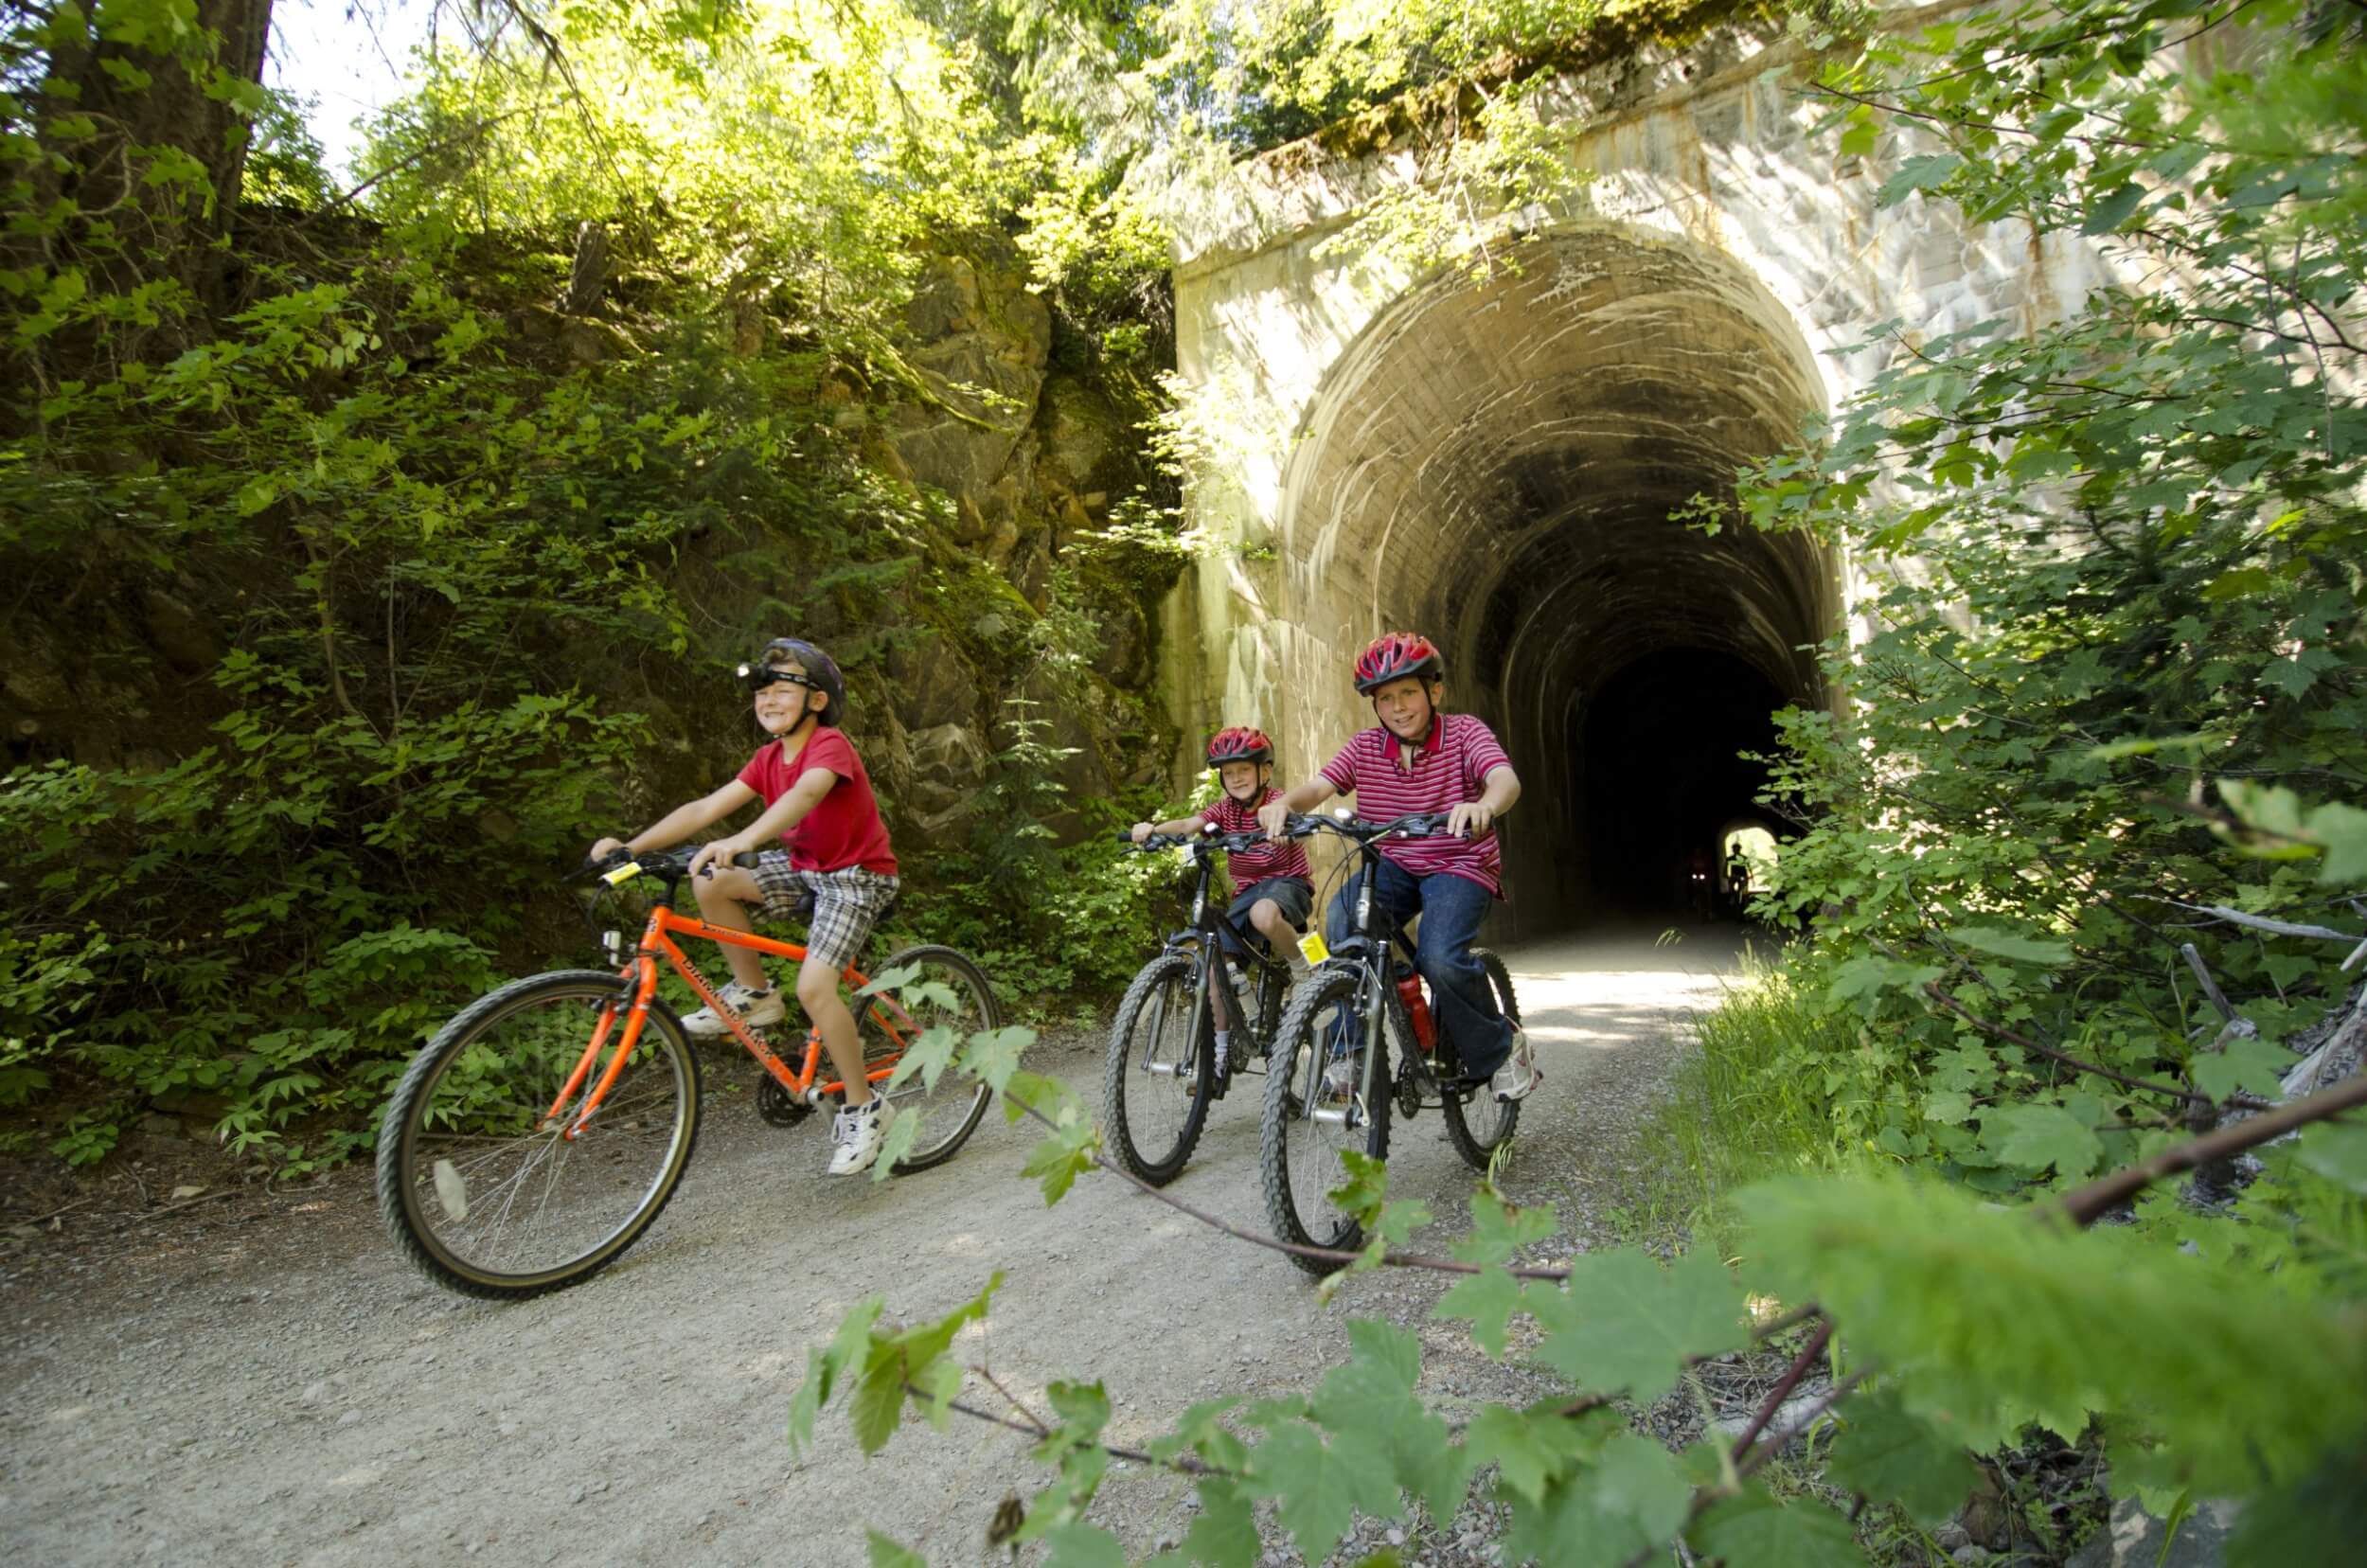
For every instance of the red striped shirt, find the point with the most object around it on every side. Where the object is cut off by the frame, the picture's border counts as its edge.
(1287, 859)
(1450, 769)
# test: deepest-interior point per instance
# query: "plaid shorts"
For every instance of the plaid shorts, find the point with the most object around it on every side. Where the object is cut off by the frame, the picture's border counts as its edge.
(838, 906)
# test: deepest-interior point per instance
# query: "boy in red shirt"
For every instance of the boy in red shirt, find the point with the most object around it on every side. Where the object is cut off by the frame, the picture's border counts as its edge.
(818, 801)
(1272, 888)
(1419, 758)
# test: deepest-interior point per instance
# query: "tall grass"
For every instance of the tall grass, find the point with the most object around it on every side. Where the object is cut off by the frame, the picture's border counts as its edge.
(1748, 1102)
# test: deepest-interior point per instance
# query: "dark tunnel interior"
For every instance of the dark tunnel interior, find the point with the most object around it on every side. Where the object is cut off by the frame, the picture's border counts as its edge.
(1660, 756)
(1508, 465)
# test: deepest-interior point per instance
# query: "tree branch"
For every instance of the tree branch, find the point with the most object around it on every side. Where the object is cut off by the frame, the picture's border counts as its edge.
(1782, 1391)
(1933, 989)
(2085, 1204)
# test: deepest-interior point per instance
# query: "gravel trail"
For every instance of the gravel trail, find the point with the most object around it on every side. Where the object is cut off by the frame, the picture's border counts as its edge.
(264, 1381)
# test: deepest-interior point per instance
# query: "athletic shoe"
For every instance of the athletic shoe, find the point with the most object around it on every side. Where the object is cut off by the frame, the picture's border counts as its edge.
(757, 1009)
(1519, 1075)
(1340, 1078)
(856, 1134)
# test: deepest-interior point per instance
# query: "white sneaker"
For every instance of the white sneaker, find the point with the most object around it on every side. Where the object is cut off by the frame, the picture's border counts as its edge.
(1519, 1075)
(1340, 1078)
(757, 1009)
(856, 1134)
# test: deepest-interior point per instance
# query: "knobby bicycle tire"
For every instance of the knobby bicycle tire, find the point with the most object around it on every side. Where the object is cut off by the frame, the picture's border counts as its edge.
(949, 1116)
(1477, 1138)
(487, 1197)
(1293, 1172)
(1164, 999)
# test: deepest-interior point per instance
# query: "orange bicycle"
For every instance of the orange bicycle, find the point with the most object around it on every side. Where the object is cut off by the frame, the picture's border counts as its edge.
(543, 1128)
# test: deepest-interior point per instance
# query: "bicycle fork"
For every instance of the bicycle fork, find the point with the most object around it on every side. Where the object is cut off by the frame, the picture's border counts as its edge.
(1351, 1116)
(1189, 1061)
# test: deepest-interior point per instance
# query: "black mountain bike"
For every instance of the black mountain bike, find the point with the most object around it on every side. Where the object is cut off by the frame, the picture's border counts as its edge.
(1329, 1084)
(1160, 1076)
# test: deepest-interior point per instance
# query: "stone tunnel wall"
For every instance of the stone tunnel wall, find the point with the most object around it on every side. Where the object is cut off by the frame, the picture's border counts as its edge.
(1494, 459)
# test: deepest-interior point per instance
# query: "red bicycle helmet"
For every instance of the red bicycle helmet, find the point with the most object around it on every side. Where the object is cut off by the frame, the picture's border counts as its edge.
(1394, 655)
(1239, 744)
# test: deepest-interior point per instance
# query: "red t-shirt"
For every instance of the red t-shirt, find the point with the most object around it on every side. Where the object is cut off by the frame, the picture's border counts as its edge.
(1251, 866)
(844, 829)
(1449, 769)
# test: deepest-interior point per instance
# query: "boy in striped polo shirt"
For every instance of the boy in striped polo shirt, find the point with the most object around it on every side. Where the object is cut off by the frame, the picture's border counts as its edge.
(1274, 888)
(1418, 759)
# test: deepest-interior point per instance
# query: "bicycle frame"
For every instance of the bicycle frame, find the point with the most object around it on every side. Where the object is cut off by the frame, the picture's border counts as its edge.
(1211, 964)
(657, 942)
(1366, 951)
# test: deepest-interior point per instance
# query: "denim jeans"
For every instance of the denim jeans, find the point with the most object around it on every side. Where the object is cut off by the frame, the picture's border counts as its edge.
(1451, 908)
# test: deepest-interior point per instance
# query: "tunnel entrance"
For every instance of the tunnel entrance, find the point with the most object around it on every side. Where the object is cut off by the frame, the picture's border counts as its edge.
(1506, 466)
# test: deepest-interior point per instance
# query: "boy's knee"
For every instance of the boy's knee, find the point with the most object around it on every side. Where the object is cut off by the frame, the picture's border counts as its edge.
(1438, 962)
(725, 889)
(816, 986)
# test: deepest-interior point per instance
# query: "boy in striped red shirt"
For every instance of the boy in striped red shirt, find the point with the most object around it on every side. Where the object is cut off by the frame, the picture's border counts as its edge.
(1418, 759)
(1274, 888)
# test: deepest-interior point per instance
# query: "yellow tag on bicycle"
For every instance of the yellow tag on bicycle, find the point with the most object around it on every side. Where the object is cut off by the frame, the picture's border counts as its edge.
(622, 875)
(1311, 947)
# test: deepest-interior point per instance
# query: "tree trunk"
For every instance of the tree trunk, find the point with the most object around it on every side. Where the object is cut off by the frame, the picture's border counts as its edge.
(149, 213)
(589, 274)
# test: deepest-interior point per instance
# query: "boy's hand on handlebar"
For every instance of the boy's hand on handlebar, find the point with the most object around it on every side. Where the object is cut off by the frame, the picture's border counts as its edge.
(1141, 830)
(720, 853)
(1469, 820)
(603, 849)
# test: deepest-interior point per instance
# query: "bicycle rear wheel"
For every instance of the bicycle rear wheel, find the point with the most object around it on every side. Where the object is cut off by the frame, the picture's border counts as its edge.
(945, 991)
(1155, 1082)
(1482, 1124)
(1307, 1126)
(486, 1191)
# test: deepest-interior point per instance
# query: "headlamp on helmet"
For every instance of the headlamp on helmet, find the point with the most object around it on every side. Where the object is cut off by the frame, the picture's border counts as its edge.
(819, 674)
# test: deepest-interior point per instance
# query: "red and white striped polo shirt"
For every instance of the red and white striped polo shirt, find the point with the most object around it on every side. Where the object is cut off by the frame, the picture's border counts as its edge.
(1449, 769)
(1286, 859)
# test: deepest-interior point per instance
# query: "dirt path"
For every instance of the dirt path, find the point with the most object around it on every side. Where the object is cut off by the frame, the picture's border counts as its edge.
(267, 1382)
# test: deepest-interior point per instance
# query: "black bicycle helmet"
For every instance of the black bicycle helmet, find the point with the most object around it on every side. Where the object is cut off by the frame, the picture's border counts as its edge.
(819, 666)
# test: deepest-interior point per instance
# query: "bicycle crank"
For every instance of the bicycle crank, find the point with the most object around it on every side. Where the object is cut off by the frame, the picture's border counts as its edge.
(777, 1106)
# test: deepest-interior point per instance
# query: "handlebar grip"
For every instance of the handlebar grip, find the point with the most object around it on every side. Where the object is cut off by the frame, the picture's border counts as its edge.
(746, 860)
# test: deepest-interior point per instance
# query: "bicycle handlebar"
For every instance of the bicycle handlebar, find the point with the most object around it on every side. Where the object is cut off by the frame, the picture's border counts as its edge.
(671, 863)
(1154, 842)
(1416, 825)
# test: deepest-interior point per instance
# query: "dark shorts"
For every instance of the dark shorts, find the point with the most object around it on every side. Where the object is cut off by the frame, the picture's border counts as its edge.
(1293, 896)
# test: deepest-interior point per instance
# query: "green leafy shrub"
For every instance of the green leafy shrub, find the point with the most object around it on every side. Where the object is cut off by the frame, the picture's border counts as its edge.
(2114, 587)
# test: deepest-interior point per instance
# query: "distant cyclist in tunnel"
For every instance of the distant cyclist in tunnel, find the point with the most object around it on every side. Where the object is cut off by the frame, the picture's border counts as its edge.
(1421, 759)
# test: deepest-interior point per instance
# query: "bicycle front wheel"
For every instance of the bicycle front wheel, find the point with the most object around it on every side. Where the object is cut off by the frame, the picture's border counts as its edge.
(484, 1180)
(941, 989)
(1315, 1113)
(1155, 1084)
(1478, 1123)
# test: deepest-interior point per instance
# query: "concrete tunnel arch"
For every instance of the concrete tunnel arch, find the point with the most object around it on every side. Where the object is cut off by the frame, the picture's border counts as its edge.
(1495, 462)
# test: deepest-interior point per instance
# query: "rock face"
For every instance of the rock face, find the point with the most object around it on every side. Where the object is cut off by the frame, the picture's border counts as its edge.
(1029, 454)
(1011, 447)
